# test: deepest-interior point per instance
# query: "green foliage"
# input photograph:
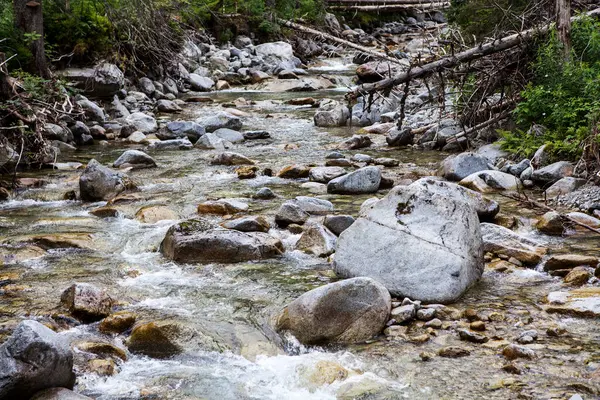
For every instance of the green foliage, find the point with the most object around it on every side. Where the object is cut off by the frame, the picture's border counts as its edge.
(40, 89)
(564, 97)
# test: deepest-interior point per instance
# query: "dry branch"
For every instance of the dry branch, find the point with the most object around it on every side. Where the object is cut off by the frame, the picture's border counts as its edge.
(444, 63)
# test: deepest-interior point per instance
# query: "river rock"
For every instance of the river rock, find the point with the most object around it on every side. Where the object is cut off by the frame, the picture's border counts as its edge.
(197, 241)
(331, 113)
(514, 351)
(338, 223)
(137, 137)
(86, 302)
(118, 322)
(313, 205)
(486, 209)
(458, 167)
(92, 110)
(142, 122)
(167, 106)
(201, 83)
(578, 276)
(101, 183)
(222, 207)
(552, 173)
(160, 339)
(551, 223)
(220, 120)
(264, 194)
(248, 224)
(104, 80)
(517, 169)
(492, 152)
(399, 137)
(180, 129)
(230, 158)
(363, 180)
(210, 141)
(491, 181)
(146, 86)
(154, 214)
(59, 394)
(325, 174)
(50, 131)
(357, 142)
(295, 171)
(569, 261)
(419, 243)
(290, 213)
(348, 311)
(34, 358)
(386, 162)
(229, 135)
(500, 240)
(255, 135)
(135, 159)
(317, 240)
(563, 186)
(172, 144)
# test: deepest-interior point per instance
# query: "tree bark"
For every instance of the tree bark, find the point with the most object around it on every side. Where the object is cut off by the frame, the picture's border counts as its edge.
(445, 63)
(563, 25)
(5, 91)
(29, 19)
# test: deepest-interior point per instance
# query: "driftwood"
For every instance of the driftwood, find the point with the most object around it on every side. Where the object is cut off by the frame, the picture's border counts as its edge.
(444, 63)
(335, 39)
(537, 204)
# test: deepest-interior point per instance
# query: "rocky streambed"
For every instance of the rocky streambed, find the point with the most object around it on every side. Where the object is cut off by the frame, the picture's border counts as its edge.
(183, 269)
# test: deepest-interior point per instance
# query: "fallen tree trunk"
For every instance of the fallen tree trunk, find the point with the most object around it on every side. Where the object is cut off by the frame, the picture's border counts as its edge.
(393, 7)
(346, 43)
(471, 54)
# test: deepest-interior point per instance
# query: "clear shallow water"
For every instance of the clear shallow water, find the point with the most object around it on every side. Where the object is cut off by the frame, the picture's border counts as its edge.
(235, 303)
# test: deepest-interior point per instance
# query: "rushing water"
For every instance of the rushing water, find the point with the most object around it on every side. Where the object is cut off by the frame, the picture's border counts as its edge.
(234, 303)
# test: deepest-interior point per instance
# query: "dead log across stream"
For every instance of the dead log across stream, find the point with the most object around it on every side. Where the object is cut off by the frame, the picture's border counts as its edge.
(346, 43)
(474, 53)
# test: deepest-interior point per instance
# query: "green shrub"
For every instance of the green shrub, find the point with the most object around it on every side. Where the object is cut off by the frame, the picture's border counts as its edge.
(564, 96)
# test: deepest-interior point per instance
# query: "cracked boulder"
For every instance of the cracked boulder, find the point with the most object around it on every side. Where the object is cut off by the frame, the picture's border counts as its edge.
(416, 241)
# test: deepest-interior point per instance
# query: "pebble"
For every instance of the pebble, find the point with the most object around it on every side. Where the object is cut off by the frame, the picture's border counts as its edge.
(511, 369)
(419, 338)
(334, 155)
(426, 356)
(471, 314)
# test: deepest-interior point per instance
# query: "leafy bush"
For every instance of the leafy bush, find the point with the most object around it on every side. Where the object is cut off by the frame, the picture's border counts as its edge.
(564, 97)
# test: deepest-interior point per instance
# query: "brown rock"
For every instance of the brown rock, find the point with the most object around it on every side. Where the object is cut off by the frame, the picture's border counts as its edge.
(477, 326)
(551, 223)
(513, 351)
(86, 302)
(453, 352)
(117, 323)
(102, 349)
(578, 276)
(103, 367)
(154, 214)
(246, 172)
(105, 212)
(294, 172)
(569, 261)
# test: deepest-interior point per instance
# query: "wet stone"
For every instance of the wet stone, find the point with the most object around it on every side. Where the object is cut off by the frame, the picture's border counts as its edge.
(434, 323)
(264, 194)
(404, 313)
(86, 301)
(453, 352)
(513, 351)
(426, 314)
(472, 337)
(117, 323)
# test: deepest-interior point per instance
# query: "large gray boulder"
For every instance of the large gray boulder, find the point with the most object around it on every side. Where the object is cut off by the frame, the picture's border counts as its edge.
(418, 242)
(363, 180)
(101, 183)
(486, 209)
(331, 113)
(134, 159)
(104, 80)
(198, 241)
(456, 168)
(348, 311)
(34, 358)
(490, 181)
